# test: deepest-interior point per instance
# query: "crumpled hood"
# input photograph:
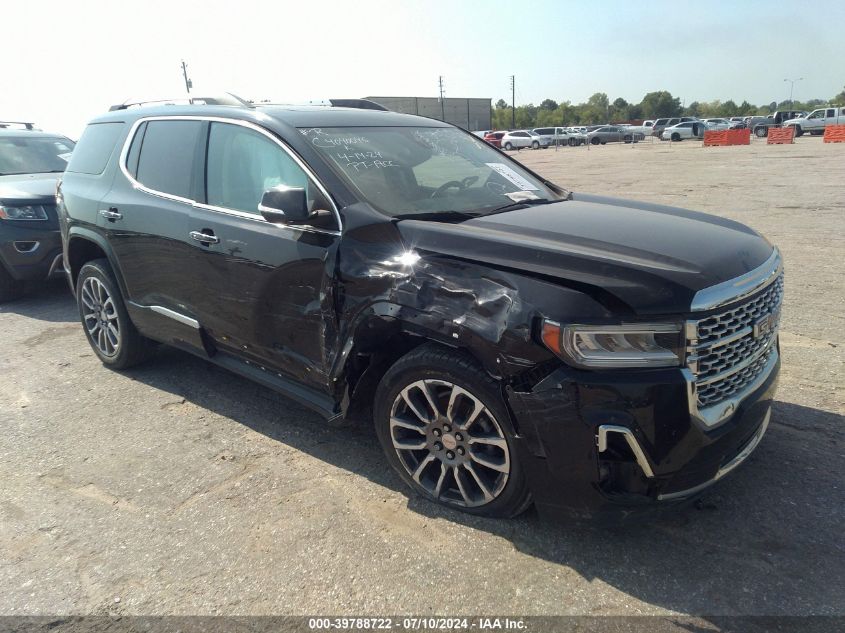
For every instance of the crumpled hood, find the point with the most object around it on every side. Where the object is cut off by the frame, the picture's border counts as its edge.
(40, 188)
(651, 257)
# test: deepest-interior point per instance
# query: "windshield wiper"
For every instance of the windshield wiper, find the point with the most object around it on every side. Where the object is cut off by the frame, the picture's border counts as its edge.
(440, 215)
(520, 205)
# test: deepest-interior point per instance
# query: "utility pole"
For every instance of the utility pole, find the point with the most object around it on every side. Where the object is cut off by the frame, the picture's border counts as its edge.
(188, 83)
(513, 102)
(442, 102)
(791, 88)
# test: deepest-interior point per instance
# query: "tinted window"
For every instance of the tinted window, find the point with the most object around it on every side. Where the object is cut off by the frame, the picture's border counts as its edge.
(166, 162)
(544, 130)
(243, 164)
(94, 148)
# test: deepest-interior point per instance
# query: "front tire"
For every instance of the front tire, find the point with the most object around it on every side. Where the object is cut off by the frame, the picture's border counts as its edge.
(798, 131)
(443, 425)
(108, 328)
(535, 145)
(595, 140)
(761, 132)
(572, 142)
(676, 137)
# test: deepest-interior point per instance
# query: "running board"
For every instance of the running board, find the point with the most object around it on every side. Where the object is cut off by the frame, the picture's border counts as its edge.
(311, 398)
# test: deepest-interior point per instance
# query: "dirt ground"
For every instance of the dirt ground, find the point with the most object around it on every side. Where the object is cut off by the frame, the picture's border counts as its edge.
(178, 488)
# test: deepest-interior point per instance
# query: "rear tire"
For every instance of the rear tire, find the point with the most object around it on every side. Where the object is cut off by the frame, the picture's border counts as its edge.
(108, 328)
(572, 142)
(761, 132)
(508, 146)
(10, 288)
(462, 456)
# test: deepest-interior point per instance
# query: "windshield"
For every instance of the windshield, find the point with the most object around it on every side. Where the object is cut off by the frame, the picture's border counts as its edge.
(420, 170)
(33, 155)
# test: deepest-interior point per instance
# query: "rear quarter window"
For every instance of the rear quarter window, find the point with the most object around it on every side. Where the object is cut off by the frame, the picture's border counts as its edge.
(166, 160)
(94, 149)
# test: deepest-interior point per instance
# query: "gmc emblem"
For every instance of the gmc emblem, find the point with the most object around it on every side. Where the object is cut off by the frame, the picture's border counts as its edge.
(766, 324)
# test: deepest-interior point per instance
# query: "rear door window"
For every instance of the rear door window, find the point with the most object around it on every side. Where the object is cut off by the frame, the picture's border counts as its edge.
(94, 149)
(166, 160)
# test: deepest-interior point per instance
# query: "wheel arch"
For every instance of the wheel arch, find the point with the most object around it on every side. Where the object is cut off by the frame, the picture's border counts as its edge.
(379, 339)
(83, 246)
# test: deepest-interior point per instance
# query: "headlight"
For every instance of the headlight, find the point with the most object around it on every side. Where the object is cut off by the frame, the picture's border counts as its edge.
(634, 345)
(27, 212)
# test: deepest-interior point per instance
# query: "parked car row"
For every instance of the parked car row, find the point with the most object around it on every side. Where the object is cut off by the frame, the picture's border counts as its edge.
(675, 128)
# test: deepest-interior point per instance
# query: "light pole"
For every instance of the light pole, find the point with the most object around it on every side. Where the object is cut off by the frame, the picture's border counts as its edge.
(513, 102)
(791, 88)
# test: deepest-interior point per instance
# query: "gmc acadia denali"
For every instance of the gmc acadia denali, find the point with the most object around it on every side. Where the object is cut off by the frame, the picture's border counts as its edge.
(514, 343)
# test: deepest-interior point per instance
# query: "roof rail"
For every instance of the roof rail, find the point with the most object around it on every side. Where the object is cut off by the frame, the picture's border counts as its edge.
(361, 104)
(227, 99)
(23, 124)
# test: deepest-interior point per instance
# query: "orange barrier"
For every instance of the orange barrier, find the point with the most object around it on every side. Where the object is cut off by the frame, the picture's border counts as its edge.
(834, 134)
(721, 138)
(739, 137)
(715, 139)
(781, 135)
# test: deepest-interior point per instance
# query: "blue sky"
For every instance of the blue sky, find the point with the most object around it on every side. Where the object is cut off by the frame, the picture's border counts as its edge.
(87, 55)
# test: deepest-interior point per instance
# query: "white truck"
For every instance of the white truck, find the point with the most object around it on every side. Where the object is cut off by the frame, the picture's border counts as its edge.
(815, 122)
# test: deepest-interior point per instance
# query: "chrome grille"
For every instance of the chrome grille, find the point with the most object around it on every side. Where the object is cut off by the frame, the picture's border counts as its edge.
(734, 346)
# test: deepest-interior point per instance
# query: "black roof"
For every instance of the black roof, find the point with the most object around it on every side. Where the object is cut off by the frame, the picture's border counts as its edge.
(293, 116)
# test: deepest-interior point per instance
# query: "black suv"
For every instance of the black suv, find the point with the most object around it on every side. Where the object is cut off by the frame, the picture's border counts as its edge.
(30, 245)
(513, 342)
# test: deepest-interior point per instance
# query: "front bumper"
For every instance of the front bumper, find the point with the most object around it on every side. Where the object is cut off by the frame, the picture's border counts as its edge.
(30, 252)
(625, 443)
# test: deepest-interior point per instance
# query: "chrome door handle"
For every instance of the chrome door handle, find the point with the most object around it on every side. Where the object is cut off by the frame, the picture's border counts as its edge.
(205, 238)
(111, 214)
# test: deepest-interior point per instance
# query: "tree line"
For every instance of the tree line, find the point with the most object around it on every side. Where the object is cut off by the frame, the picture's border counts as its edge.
(600, 109)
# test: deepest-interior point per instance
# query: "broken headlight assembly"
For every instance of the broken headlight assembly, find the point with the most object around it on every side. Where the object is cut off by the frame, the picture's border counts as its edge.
(616, 346)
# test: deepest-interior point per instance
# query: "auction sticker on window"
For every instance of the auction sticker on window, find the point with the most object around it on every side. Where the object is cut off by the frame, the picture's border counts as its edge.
(510, 174)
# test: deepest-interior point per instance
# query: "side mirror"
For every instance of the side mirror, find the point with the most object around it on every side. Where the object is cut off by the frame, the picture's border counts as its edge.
(284, 205)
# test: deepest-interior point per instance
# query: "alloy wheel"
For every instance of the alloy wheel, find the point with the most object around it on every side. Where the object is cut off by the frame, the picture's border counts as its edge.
(450, 443)
(99, 315)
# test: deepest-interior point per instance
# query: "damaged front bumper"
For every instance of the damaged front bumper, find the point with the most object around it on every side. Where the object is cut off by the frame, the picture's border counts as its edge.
(627, 443)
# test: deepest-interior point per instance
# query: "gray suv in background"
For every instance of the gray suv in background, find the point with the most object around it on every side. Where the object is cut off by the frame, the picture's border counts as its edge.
(30, 245)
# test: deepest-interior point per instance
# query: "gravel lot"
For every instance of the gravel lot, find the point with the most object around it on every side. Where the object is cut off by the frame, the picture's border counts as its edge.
(177, 488)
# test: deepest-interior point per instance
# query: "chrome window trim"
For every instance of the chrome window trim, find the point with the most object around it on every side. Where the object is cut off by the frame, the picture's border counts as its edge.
(124, 154)
(739, 288)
